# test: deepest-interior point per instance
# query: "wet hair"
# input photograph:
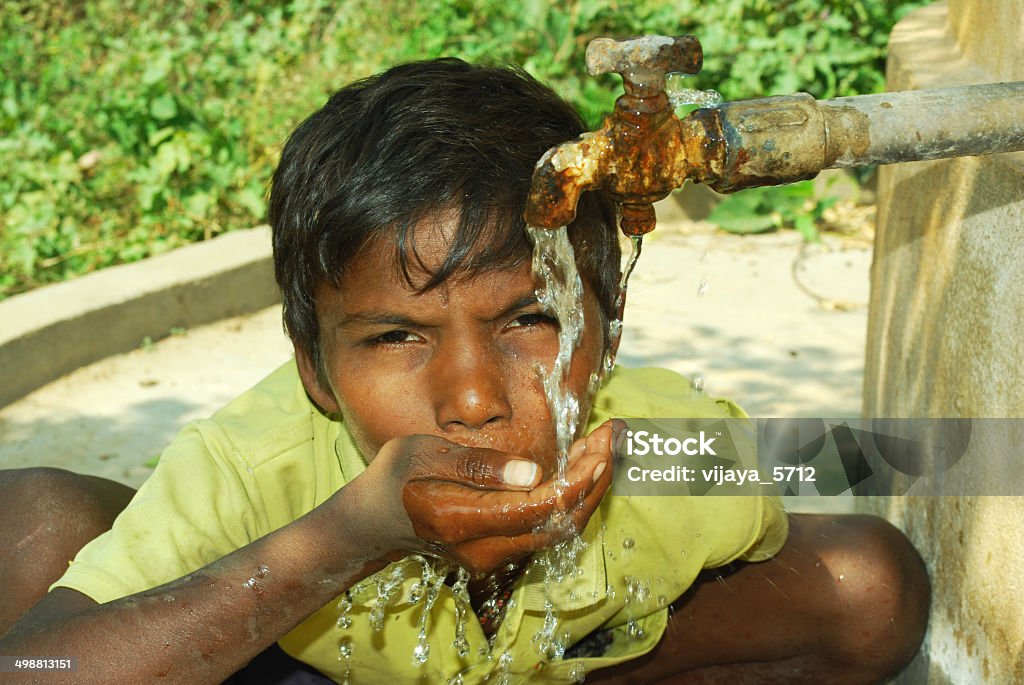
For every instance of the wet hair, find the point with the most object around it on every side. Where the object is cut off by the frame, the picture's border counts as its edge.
(411, 143)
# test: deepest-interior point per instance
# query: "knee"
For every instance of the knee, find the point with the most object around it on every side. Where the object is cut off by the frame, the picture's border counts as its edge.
(882, 591)
(49, 514)
(65, 508)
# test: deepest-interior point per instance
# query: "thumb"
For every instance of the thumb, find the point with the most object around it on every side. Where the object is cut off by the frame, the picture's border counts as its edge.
(481, 468)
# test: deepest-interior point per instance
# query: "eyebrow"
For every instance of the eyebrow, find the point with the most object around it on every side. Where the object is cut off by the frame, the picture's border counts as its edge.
(401, 320)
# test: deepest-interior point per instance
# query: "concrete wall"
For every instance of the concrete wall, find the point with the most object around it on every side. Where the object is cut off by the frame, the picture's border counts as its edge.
(946, 339)
(47, 332)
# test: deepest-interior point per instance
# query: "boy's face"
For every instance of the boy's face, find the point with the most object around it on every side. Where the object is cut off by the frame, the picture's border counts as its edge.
(459, 361)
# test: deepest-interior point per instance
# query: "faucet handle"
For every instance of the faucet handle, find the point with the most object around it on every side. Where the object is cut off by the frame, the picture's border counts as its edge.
(637, 60)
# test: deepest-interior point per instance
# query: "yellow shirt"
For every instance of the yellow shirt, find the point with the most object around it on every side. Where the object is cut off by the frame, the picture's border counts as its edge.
(270, 456)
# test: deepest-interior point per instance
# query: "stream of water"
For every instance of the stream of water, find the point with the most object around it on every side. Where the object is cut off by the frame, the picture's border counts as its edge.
(562, 295)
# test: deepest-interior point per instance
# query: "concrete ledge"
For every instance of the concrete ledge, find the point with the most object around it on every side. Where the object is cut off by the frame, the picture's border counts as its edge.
(943, 340)
(53, 330)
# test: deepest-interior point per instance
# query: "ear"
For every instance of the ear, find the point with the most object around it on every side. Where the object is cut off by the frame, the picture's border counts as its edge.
(324, 397)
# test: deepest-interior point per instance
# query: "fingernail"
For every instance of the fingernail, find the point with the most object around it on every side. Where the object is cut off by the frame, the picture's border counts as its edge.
(599, 470)
(519, 472)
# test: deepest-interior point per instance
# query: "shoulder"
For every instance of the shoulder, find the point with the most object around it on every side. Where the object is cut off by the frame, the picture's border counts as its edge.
(269, 450)
(270, 419)
(654, 392)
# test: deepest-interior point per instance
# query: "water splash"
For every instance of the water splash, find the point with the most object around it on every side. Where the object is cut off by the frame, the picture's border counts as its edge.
(615, 325)
(387, 587)
(679, 95)
(434, 573)
(562, 295)
(345, 642)
(345, 655)
(460, 590)
(504, 671)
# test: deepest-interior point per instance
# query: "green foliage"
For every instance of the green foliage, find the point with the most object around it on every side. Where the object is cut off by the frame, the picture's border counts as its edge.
(765, 209)
(131, 127)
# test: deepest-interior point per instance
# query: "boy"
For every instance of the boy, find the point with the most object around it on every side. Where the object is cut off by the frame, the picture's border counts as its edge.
(413, 422)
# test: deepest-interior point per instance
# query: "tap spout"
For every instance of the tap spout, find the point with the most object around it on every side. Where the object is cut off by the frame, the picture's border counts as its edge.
(563, 174)
(637, 155)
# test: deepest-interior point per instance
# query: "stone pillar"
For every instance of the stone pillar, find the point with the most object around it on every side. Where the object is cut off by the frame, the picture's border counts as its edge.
(946, 339)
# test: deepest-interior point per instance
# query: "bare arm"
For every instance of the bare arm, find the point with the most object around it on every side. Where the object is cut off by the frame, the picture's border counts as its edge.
(420, 494)
(205, 626)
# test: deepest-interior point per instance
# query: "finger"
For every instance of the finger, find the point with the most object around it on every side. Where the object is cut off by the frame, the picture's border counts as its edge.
(486, 554)
(603, 476)
(437, 459)
(449, 513)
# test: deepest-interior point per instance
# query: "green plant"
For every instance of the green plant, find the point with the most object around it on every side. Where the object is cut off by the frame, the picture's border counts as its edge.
(758, 210)
(131, 127)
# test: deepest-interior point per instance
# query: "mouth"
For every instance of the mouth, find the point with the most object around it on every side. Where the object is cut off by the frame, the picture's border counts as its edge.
(521, 441)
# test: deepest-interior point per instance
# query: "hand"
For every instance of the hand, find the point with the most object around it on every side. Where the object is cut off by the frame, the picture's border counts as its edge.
(480, 507)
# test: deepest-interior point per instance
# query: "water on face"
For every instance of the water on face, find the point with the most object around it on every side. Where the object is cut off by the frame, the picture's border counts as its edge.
(560, 294)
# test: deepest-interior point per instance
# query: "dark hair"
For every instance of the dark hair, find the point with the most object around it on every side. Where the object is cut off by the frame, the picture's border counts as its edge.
(421, 138)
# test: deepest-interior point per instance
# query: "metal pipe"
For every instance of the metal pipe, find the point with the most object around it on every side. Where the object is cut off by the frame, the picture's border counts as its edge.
(643, 151)
(928, 124)
(770, 141)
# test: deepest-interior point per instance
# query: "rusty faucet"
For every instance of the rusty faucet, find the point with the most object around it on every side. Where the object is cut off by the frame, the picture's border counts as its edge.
(644, 151)
(633, 155)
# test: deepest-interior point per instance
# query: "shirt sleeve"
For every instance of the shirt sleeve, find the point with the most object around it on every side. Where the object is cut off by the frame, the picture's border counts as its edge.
(197, 507)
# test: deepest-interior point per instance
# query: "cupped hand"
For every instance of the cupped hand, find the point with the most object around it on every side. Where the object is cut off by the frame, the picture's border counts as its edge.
(481, 507)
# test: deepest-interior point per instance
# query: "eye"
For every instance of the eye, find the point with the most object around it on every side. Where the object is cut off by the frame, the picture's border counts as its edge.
(533, 319)
(392, 338)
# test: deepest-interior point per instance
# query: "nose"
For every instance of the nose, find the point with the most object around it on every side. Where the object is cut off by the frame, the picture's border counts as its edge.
(469, 387)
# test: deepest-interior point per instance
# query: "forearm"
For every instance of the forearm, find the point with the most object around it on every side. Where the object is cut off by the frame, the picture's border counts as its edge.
(205, 626)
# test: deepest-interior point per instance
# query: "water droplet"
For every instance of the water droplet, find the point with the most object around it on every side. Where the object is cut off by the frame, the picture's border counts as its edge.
(841, 577)
(461, 645)
(662, 601)
(420, 654)
(698, 384)
(702, 287)
(577, 673)
(634, 631)
(628, 543)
